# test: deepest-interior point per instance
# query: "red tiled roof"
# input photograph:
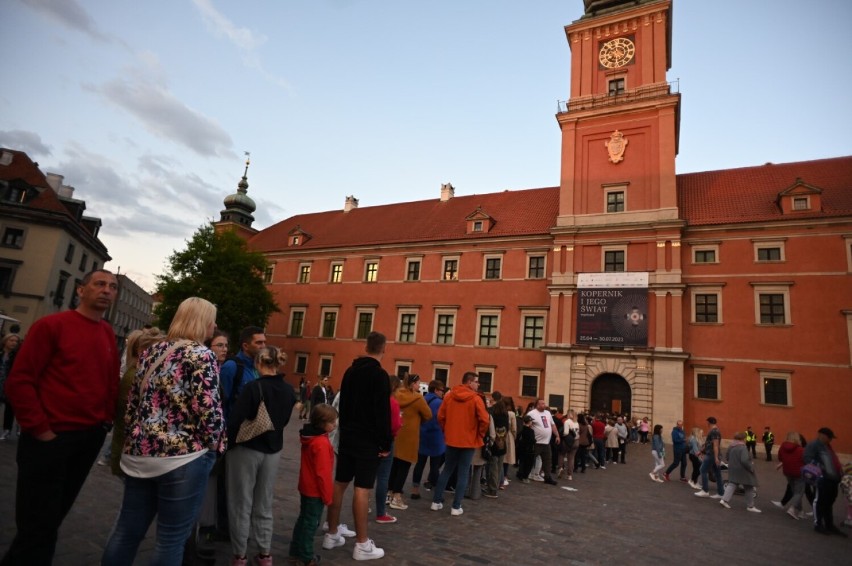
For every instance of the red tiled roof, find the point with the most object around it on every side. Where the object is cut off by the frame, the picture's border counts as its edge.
(749, 194)
(515, 213)
(25, 169)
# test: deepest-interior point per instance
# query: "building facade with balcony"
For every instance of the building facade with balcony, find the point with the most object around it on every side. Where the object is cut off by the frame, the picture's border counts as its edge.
(626, 288)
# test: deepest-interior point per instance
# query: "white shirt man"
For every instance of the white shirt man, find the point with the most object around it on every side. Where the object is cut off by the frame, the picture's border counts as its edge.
(545, 429)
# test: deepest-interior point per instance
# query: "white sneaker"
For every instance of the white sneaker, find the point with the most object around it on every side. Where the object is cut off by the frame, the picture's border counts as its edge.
(367, 551)
(398, 503)
(342, 529)
(653, 476)
(754, 510)
(724, 504)
(693, 485)
(330, 541)
(505, 482)
(701, 493)
(437, 506)
(456, 512)
(715, 496)
(536, 477)
(778, 504)
(793, 513)
(5, 434)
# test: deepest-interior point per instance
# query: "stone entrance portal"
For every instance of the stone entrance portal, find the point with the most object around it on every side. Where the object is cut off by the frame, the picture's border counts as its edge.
(611, 394)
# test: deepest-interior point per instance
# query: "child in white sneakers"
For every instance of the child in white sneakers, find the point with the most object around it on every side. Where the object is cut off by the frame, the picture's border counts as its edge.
(740, 472)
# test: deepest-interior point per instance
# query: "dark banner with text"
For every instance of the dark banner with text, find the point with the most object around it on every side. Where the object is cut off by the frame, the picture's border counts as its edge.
(612, 309)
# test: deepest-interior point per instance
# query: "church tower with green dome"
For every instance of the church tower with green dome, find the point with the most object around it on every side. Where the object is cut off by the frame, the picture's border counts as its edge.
(237, 215)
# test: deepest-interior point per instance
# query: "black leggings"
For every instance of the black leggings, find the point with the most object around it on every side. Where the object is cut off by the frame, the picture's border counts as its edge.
(399, 473)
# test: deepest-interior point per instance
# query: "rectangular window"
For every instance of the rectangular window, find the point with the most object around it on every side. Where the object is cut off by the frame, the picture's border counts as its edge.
(444, 332)
(301, 363)
(442, 374)
(706, 307)
(336, 273)
(7, 276)
(772, 308)
(297, 322)
(69, 253)
(768, 254)
(707, 386)
(529, 385)
(775, 388)
(800, 203)
(402, 369)
(533, 331)
(371, 272)
(705, 256)
(615, 201)
(412, 270)
(325, 366)
(488, 330)
(536, 267)
(492, 267)
(407, 322)
(616, 86)
(59, 294)
(267, 274)
(486, 380)
(329, 323)
(305, 273)
(614, 260)
(477, 226)
(365, 325)
(84, 259)
(451, 270)
(13, 238)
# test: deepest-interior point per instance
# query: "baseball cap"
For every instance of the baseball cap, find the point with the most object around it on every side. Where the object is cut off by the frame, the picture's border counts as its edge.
(711, 420)
(827, 431)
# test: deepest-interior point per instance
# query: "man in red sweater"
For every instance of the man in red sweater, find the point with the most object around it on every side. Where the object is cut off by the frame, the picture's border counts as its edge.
(64, 387)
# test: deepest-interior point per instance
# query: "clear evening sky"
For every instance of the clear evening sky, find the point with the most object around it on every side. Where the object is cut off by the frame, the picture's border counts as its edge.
(147, 107)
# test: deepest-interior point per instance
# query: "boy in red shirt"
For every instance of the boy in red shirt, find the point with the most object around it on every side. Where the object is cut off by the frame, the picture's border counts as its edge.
(315, 482)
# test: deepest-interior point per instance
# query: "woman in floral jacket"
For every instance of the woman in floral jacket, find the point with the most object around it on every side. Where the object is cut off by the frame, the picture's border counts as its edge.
(174, 428)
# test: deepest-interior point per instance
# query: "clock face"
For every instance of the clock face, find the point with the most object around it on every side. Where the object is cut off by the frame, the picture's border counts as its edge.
(617, 53)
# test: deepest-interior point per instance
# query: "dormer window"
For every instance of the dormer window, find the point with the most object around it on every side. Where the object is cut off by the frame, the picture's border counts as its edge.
(477, 226)
(478, 222)
(297, 236)
(800, 203)
(296, 240)
(800, 197)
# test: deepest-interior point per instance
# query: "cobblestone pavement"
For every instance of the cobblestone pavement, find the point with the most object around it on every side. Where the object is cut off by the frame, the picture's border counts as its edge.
(615, 516)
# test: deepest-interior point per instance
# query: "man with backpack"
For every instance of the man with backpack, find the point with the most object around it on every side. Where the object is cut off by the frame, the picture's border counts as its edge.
(236, 372)
(499, 447)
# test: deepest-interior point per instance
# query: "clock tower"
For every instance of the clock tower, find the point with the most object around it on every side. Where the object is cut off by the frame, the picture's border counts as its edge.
(618, 219)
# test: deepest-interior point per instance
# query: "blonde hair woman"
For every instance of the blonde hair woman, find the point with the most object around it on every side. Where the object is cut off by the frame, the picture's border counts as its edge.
(253, 464)
(174, 428)
(694, 445)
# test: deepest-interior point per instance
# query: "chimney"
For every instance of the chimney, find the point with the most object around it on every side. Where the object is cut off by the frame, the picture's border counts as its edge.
(55, 180)
(351, 203)
(447, 192)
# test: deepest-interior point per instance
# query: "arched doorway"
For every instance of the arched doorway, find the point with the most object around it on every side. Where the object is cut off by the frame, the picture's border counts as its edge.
(611, 394)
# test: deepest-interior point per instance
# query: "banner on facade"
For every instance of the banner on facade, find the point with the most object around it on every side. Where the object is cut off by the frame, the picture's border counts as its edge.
(612, 309)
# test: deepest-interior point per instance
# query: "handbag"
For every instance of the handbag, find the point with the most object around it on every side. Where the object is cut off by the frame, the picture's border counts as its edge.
(486, 448)
(261, 423)
(811, 473)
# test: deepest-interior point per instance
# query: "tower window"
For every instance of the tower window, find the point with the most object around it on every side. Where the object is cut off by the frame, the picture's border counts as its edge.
(616, 86)
(615, 201)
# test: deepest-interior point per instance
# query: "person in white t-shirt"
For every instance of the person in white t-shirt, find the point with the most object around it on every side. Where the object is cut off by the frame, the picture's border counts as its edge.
(544, 428)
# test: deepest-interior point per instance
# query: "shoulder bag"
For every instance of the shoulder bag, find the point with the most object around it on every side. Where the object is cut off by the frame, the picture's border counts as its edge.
(261, 423)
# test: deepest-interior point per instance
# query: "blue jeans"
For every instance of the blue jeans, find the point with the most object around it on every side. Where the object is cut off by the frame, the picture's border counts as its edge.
(710, 462)
(382, 478)
(175, 498)
(455, 458)
(600, 451)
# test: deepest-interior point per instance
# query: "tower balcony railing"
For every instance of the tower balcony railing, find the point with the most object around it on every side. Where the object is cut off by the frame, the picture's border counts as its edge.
(647, 92)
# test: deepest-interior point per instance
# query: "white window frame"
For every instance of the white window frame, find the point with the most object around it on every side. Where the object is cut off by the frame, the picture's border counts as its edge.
(404, 311)
(331, 272)
(786, 376)
(610, 190)
(444, 312)
(772, 289)
(479, 369)
(296, 358)
(487, 312)
(330, 359)
(705, 248)
(800, 198)
(323, 311)
(444, 261)
(616, 248)
(847, 241)
(408, 262)
(705, 290)
(293, 310)
(765, 244)
(531, 372)
(442, 366)
(371, 310)
(301, 272)
(485, 259)
(542, 255)
(707, 370)
(367, 265)
(530, 313)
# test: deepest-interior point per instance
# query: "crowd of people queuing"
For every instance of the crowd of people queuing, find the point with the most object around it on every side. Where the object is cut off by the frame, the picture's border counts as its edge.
(197, 438)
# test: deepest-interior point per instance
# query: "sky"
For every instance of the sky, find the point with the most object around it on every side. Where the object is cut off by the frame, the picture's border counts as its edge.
(148, 108)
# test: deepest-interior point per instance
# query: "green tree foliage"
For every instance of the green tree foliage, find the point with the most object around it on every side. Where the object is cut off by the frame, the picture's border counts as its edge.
(219, 268)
